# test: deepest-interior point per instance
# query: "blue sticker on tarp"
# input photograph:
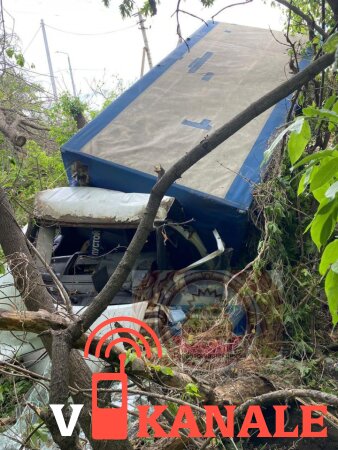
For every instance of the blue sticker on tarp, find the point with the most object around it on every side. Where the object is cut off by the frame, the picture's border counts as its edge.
(207, 76)
(199, 62)
(203, 125)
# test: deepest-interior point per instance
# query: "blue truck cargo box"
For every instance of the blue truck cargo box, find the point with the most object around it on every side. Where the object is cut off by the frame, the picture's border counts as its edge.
(193, 91)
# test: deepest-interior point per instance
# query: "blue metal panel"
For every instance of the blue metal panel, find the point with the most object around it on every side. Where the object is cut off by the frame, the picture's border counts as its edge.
(209, 211)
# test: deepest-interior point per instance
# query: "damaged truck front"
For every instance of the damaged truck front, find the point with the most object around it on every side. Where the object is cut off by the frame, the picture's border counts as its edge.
(83, 232)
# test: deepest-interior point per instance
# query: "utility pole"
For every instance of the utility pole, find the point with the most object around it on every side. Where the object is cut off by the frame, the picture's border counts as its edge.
(143, 62)
(70, 73)
(146, 49)
(52, 78)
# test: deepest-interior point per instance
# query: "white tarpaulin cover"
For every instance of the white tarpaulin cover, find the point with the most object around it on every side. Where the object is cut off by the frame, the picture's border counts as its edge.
(88, 205)
(221, 75)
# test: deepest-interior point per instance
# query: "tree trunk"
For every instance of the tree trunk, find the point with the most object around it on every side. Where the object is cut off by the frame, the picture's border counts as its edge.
(35, 296)
(11, 132)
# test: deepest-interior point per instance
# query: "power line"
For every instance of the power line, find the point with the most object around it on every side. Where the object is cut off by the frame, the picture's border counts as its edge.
(31, 41)
(90, 34)
(32, 71)
(79, 69)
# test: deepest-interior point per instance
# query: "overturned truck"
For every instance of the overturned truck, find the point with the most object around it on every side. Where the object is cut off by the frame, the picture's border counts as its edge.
(200, 233)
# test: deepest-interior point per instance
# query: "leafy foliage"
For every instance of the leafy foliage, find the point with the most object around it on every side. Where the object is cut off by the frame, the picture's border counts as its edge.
(17, 56)
(25, 176)
(149, 7)
(312, 8)
(62, 117)
(7, 403)
(192, 390)
(320, 180)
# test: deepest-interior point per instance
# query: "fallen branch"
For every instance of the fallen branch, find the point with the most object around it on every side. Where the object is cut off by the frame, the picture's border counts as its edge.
(42, 322)
(288, 394)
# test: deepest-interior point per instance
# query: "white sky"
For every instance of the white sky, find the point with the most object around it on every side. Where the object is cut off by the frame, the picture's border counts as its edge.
(103, 56)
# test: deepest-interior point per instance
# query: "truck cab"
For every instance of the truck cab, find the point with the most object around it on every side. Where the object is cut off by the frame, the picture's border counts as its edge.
(83, 232)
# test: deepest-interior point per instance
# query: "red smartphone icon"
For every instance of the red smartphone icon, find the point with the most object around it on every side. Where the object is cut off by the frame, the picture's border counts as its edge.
(110, 423)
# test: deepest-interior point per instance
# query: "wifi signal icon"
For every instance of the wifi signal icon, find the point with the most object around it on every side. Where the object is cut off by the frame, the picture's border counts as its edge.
(112, 423)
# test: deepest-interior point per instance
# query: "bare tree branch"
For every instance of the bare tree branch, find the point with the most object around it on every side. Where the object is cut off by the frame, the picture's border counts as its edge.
(287, 394)
(230, 6)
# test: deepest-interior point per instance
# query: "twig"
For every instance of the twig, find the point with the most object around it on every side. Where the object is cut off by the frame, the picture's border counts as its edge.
(26, 441)
(193, 15)
(178, 26)
(276, 39)
(59, 285)
(230, 6)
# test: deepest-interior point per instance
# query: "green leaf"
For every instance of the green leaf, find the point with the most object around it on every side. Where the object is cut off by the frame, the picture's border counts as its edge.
(332, 191)
(298, 140)
(192, 390)
(331, 291)
(130, 356)
(331, 43)
(315, 157)
(10, 52)
(334, 267)
(332, 116)
(330, 256)
(20, 60)
(310, 111)
(330, 102)
(167, 371)
(319, 194)
(324, 223)
(335, 108)
(304, 181)
(327, 170)
(325, 114)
